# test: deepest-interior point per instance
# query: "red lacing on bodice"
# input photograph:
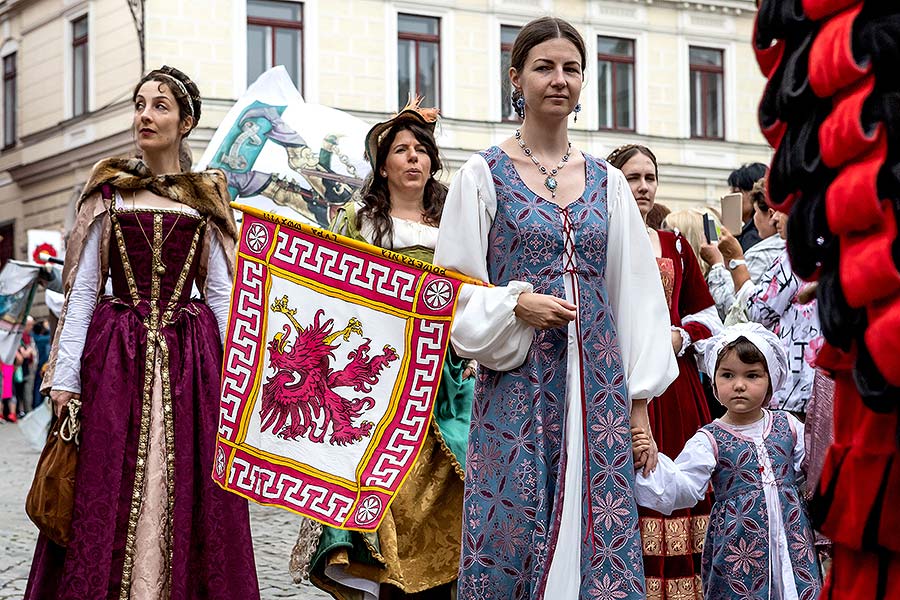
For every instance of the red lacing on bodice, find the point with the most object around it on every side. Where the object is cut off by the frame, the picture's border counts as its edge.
(568, 230)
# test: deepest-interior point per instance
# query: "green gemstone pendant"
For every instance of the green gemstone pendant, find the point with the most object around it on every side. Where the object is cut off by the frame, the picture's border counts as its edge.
(550, 184)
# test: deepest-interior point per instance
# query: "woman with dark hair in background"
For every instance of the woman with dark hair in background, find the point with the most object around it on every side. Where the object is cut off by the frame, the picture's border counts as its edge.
(145, 365)
(415, 552)
(567, 342)
(673, 544)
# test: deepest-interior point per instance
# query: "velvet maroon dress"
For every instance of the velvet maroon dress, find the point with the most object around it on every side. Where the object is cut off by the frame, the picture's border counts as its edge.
(150, 325)
(673, 544)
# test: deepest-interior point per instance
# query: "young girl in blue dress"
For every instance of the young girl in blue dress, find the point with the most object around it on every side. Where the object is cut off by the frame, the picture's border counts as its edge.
(759, 543)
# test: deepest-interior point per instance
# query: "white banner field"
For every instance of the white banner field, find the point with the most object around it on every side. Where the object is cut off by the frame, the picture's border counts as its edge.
(288, 157)
(44, 244)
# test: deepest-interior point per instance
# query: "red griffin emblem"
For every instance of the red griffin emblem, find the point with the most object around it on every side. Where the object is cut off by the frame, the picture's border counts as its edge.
(299, 399)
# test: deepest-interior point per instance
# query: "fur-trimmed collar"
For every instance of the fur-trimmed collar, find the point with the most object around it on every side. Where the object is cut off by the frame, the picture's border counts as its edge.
(205, 192)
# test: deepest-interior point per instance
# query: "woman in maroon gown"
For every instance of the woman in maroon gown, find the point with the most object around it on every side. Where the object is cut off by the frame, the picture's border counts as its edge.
(673, 544)
(145, 360)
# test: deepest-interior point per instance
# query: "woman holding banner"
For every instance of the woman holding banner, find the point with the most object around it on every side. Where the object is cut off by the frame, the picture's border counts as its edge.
(573, 342)
(415, 552)
(144, 362)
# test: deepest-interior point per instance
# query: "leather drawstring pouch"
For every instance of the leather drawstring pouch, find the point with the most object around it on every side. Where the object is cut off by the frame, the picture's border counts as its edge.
(51, 499)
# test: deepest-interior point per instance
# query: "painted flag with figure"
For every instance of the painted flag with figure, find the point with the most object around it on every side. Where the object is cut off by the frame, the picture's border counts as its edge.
(286, 156)
(331, 365)
(18, 284)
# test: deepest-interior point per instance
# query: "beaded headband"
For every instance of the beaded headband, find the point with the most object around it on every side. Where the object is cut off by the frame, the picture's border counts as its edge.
(161, 73)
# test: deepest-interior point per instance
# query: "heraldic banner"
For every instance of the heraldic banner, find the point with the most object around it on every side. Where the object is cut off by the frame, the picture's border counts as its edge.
(332, 362)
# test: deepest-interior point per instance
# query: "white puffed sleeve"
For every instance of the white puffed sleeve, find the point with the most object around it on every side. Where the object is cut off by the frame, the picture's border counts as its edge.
(218, 284)
(79, 311)
(636, 296)
(681, 483)
(798, 429)
(485, 327)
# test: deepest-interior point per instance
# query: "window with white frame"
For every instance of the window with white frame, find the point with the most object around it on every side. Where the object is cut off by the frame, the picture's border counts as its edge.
(275, 37)
(508, 35)
(707, 73)
(418, 59)
(80, 75)
(9, 100)
(615, 83)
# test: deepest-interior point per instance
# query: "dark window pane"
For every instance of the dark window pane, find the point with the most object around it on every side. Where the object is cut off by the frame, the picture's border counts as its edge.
(706, 57)
(507, 110)
(428, 74)
(615, 47)
(287, 52)
(508, 34)
(268, 9)
(696, 108)
(624, 95)
(79, 27)
(9, 100)
(605, 87)
(713, 103)
(258, 51)
(406, 66)
(417, 24)
(79, 89)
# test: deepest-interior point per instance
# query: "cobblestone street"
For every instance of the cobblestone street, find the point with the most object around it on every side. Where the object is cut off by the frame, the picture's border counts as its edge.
(274, 531)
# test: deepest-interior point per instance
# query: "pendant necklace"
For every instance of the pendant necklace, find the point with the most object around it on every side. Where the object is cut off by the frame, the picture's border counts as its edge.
(549, 176)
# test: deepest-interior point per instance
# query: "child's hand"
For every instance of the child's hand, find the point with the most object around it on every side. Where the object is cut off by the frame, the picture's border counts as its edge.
(640, 442)
(645, 450)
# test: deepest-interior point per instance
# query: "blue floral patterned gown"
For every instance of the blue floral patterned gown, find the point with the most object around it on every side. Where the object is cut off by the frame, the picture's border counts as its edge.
(740, 558)
(558, 423)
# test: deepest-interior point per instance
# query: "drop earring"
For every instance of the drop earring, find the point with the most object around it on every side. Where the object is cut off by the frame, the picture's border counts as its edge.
(577, 110)
(518, 100)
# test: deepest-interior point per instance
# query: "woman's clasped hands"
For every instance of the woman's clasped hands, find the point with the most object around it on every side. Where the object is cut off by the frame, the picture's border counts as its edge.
(542, 311)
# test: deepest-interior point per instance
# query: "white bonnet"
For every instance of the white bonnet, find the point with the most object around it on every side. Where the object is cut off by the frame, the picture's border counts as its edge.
(766, 341)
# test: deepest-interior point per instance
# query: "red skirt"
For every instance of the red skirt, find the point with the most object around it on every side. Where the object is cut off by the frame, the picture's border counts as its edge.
(673, 544)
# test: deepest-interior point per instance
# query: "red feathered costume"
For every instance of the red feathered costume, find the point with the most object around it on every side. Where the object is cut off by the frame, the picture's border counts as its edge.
(831, 110)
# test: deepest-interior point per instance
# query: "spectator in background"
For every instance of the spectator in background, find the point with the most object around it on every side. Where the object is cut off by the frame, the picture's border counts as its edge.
(742, 180)
(24, 375)
(758, 259)
(7, 401)
(783, 303)
(689, 223)
(657, 215)
(41, 336)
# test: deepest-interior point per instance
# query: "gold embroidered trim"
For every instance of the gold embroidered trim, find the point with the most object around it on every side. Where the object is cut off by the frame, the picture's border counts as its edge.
(153, 333)
(168, 211)
(372, 549)
(684, 588)
(460, 472)
(674, 536)
(169, 422)
(182, 277)
(126, 264)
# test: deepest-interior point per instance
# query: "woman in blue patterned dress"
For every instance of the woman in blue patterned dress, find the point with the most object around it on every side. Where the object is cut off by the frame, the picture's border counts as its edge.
(573, 341)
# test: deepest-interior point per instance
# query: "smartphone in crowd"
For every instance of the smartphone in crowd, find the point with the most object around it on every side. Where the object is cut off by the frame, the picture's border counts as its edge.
(733, 212)
(709, 229)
